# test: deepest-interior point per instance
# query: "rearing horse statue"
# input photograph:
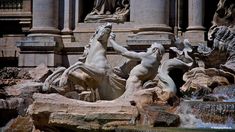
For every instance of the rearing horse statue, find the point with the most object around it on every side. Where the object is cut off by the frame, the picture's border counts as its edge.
(95, 72)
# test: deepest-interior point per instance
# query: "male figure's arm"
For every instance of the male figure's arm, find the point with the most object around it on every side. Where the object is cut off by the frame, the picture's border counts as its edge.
(124, 51)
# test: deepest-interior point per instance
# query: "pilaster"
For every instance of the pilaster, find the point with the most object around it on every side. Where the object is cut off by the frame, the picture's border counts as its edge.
(151, 19)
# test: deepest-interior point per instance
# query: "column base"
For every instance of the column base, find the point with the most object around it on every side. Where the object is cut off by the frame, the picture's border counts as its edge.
(46, 30)
(152, 27)
(147, 38)
(68, 38)
(195, 37)
(36, 50)
(198, 28)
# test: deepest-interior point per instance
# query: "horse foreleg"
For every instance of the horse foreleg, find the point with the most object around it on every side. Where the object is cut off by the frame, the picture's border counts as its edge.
(50, 79)
(95, 73)
(64, 76)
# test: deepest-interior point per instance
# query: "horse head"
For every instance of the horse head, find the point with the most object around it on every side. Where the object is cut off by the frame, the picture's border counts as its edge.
(103, 32)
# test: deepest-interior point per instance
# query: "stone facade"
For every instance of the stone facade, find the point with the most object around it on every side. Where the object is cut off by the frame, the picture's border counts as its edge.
(53, 32)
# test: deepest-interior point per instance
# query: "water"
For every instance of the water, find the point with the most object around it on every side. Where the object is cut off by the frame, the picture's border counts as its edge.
(229, 100)
(199, 116)
(162, 129)
(229, 124)
(213, 115)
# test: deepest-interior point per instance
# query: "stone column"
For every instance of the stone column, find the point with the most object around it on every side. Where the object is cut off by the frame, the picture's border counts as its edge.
(180, 15)
(67, 31)
(78, 13)
(152, 13)
(196, 30)
(151, 19)
(45, 17)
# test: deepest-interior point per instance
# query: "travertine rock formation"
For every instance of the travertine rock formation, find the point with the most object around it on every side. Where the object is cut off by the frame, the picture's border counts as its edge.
(200, 82)
(40, 73)
(58, 112)
(51, 110)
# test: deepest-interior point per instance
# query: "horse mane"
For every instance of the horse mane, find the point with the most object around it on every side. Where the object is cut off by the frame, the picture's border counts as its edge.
(86, 49)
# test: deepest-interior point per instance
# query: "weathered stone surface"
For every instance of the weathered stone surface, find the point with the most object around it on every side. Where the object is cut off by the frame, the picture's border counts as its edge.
(200, 81)
(12, 75)
(55, 110)
(164, 119)
(20, 124)
(7, 82)
(156, 115)
(40, 73)
(9, 72)
(15, 93)
(7, 76)
(73, 95)
(210, 98)
(113, 125)
(3, 94)
(8, 109)
(11, 103)
(23, 74)
(25, 88)
(153, 95)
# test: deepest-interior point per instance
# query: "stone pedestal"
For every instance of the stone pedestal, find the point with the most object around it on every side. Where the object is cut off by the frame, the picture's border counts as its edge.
(144, 39)
(37, 50)
(196, 30)
(44, 43)
(151, 19)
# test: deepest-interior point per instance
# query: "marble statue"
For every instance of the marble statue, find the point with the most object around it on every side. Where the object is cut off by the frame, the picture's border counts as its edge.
(92, 71)
(109, 11)
(224, 42)
(182, 62)
(221, 34)
(145, 71)
(224, 15)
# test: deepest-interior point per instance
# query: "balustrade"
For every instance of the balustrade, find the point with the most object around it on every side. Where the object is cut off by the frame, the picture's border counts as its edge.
(11, 4)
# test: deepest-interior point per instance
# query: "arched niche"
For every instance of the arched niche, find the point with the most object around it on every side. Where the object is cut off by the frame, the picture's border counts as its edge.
(84, 7)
